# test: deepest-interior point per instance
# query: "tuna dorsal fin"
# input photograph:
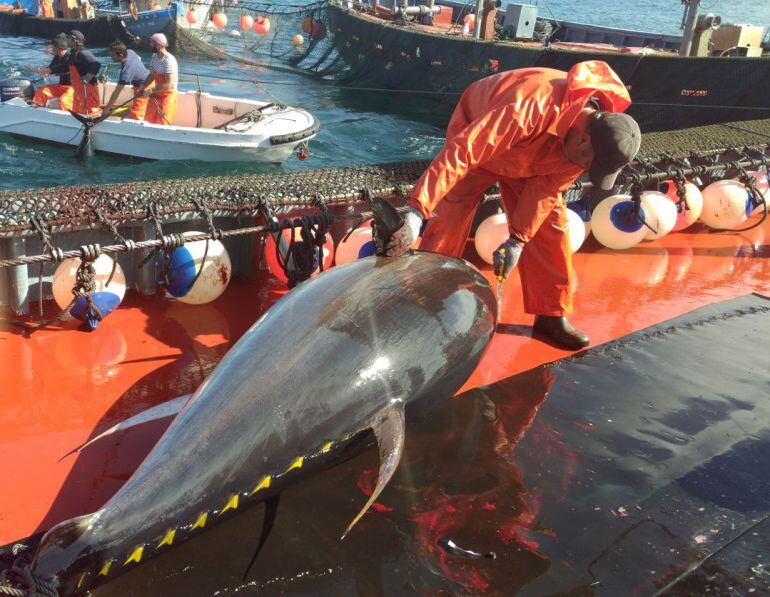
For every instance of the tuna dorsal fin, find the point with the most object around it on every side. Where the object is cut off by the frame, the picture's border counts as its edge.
(389, 429)
(159, 411)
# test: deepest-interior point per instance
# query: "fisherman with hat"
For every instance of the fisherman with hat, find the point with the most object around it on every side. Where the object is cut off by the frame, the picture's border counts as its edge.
(83, 67)
(164, 73)
(59, 65)
(533, 131)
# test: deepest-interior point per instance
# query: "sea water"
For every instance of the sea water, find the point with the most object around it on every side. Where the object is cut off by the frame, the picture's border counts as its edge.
(356, 127)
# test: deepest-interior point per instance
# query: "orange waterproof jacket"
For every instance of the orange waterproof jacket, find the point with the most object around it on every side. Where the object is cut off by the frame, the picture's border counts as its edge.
(512, 125)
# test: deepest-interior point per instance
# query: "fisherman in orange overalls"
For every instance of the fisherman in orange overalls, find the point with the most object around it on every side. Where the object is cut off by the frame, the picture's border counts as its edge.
(59, 65)
(132, 72)
(533, 131)
(83, 69)
(164, 72)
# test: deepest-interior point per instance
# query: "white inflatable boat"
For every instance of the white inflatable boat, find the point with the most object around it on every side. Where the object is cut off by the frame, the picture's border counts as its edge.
(206, 127)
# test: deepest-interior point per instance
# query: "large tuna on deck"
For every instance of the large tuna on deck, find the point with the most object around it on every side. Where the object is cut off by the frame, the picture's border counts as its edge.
(341, 354)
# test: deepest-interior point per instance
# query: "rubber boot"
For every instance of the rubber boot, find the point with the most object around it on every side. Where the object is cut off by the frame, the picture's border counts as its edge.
(557, 331)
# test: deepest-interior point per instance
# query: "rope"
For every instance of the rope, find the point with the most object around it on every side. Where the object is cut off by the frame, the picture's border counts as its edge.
(175, 240)
(18, 580)
(55, 253)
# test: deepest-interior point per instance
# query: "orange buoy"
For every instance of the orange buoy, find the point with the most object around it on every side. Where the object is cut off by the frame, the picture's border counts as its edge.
(470, 20)
(219, 19)
(318, 31)
(262, 25)
(154, 7)
(191, 17)
(246, 22)
(298, 40)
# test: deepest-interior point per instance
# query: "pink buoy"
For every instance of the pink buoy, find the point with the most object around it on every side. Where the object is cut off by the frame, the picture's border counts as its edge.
(190, 17)
(272, 259)
(219, 19)
(357, 245)
(490, 234)
(261, 25)
(246, 22)
(688, 213)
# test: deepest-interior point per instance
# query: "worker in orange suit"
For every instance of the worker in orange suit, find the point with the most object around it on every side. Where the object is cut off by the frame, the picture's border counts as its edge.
(132, 72)
(46, 9)
(83, 67)
(164, 73)
(533, 131)
(59, 65)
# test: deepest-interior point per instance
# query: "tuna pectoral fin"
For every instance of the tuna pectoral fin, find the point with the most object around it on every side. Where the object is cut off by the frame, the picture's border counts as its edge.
(160, 411)
(271, 512)
(389, 429)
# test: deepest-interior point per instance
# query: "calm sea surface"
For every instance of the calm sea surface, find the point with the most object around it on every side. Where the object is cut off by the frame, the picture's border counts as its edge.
(356, 128)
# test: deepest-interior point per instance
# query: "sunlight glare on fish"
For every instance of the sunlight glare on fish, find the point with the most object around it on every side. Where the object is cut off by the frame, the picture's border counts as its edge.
(370, 373)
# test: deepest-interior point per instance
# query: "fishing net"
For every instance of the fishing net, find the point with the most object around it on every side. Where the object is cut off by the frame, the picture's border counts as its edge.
(278, 35)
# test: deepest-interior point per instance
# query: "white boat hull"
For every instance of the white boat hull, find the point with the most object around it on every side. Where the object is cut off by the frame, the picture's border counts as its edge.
(273, 138)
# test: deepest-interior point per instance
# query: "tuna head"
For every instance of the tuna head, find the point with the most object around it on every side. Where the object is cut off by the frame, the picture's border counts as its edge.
(339, 355)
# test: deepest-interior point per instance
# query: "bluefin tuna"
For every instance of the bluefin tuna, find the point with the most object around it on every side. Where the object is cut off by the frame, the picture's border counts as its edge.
(337, 357)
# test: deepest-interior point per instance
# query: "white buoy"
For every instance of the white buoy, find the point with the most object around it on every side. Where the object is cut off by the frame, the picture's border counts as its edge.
(726, 204)
(660, 214)
(108, 292)
(576, 230)
(490, 234)
(190, 284)
(581, 208)
(615, 224)
(688, 213)
(357, 245)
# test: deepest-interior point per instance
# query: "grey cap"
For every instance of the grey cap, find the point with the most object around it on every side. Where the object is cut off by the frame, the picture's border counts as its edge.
(60, 42)
(616, 139)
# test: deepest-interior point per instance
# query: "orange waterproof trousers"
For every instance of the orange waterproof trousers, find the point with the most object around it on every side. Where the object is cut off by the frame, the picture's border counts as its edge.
(86, 96)
(139, 105)
(161, 108)
(47, 92)
(545, 266)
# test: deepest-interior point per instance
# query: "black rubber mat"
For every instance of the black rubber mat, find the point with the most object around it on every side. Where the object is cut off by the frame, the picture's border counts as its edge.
(637, 467)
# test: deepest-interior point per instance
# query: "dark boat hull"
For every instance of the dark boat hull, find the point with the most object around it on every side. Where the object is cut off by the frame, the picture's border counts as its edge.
(99, 31)
(669, 92)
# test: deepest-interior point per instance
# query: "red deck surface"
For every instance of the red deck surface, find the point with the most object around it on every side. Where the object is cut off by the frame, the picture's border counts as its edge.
(62, 386)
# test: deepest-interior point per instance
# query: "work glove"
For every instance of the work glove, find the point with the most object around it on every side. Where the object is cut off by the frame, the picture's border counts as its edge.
(505, 258)
(403, 238)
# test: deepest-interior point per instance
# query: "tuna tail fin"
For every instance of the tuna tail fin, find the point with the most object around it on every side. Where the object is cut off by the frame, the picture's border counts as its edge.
(389, 428)
(54, 554)
(271, 512)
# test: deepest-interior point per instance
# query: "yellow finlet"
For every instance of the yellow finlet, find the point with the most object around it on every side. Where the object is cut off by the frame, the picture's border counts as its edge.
(106, 568)
(168, 539)
(135, 556)
(296, 464)
(326, 447)
(201, 522)
(80, 580)
(232, 504)
(263, 484)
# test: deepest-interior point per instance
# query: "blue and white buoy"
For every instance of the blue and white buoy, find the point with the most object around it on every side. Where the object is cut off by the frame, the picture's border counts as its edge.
(109, 289)
(616, 224)
(190, 284)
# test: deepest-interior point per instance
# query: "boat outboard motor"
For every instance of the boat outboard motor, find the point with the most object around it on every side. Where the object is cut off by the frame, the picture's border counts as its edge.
(16, 87)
